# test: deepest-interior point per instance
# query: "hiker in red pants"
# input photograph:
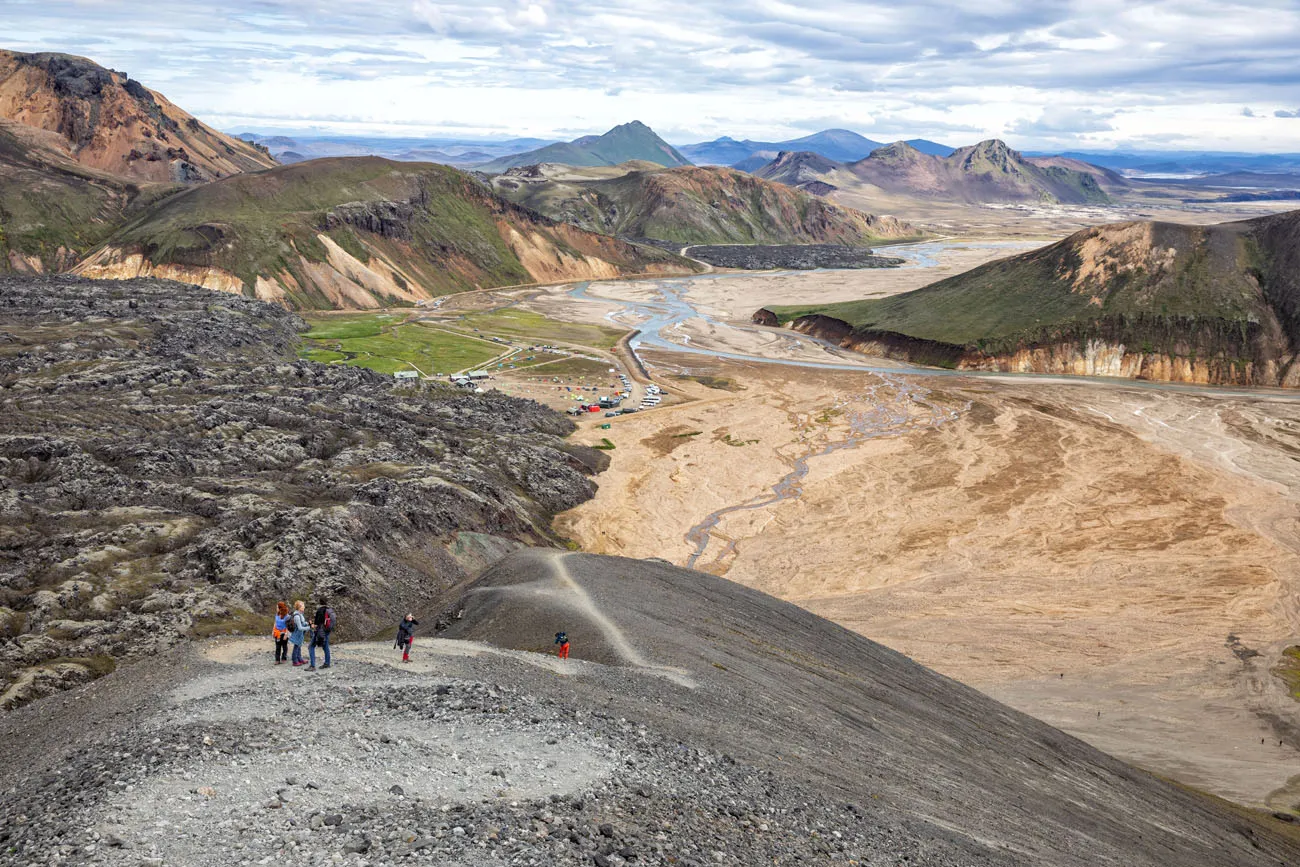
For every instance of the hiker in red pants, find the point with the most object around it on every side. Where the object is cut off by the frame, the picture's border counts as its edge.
(406, 636)
(562, 639)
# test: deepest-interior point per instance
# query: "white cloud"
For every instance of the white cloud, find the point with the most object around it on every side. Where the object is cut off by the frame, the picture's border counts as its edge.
(1097, 71)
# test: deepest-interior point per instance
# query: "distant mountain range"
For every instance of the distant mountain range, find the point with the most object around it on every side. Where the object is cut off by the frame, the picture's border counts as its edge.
(629, 141)
(982, 173)
(1187, 162)
(1210, 304)
(841, 145)
(692, 205)
(453, 152)
(105, 178)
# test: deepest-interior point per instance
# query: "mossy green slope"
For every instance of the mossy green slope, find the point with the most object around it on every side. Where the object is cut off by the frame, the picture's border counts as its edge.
(629, 141)
(1229, 290)
(432, 225)
(53, 211)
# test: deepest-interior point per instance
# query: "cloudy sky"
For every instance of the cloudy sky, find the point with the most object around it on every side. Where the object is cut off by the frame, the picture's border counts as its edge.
(1172, 74)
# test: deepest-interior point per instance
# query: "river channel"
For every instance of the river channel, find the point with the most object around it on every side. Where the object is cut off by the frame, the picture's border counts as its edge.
(659, 320)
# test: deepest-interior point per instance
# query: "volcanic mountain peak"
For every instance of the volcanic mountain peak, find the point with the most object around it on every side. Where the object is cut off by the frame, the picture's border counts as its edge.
(803, 160)
(110, 122)
(897, 152)
(990, 154)
(985, 172)
(629, 141)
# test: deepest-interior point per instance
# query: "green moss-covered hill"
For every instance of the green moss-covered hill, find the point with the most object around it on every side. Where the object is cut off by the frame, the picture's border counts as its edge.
(696, 205)
(359, 232)
(1203, 303)
(629, 141)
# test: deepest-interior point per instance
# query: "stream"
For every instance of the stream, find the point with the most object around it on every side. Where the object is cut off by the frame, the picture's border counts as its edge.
(884, 417)
(909, 408)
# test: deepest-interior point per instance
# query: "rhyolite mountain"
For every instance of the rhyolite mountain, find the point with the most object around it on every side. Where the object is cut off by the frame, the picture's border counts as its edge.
(629, 141)
(694, 205)
(1206, 304)
(986, 172)
(84, 148)
(110, 122)
(359, 232)
(983, 173)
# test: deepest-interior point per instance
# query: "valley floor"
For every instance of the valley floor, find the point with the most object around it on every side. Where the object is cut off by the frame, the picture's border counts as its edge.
(1118, 559)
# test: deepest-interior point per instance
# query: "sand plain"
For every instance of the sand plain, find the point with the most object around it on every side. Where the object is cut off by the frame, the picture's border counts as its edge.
(1118, 559)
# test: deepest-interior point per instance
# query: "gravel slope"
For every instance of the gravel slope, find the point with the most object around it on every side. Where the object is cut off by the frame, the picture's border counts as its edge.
(698, 723)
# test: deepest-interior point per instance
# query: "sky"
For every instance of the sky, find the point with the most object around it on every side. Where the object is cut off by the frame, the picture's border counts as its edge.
(1047, 75)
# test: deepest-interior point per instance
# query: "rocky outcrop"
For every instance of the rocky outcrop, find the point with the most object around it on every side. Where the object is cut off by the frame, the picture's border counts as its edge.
(1090, 357)
(168, 466)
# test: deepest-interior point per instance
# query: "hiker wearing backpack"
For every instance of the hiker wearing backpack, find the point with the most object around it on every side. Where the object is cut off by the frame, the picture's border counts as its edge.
(298, 631)
(562, 641)
(324, 623)
(406, 636)
(280, 632)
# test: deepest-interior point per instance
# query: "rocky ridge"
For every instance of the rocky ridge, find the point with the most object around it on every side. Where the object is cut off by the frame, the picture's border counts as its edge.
(696, 205)
(359, 233)
(167, 464)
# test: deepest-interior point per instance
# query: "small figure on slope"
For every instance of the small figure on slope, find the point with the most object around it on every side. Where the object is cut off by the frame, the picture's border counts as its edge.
(406, 636)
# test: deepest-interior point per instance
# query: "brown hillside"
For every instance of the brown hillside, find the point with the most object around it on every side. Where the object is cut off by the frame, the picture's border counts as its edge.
(112, 123)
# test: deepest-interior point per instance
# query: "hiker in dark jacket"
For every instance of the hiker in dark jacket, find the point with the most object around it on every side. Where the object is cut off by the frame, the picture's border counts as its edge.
(406, 635)
(323, 625)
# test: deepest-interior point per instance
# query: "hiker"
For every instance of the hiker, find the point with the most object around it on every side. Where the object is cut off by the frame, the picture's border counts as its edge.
(298, 631)
(562, 639)
(406, 636)
(280, 632)
(320, 637)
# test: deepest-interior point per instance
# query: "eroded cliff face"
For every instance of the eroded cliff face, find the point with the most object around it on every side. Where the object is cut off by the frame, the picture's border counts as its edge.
(1092, 357)
(391, 274)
